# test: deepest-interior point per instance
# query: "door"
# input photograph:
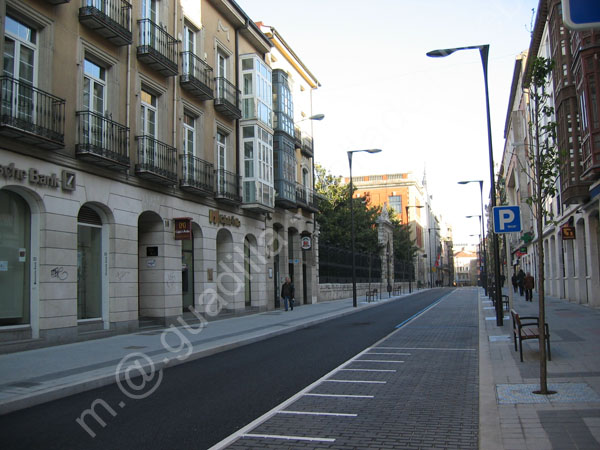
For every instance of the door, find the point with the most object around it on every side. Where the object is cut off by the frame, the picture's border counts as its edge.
(94, 87)
(187, 272)
(221, 74)
(221, 162)
(148, 30)
(20, 44)
(148, 126)
(189, 48)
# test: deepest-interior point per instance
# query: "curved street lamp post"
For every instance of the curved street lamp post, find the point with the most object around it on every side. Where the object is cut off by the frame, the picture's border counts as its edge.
(483, 52)
(371, 150)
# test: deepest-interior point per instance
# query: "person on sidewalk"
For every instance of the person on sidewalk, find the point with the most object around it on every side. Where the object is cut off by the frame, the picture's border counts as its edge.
(515, 282)
(528, 284)
(520, 280)
(287, 293)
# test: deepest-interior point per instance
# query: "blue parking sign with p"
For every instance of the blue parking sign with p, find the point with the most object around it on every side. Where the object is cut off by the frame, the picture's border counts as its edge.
(507, 219)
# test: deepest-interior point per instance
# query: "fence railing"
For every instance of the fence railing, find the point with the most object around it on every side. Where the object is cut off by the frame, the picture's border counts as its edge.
(335, 266)
(118, 11)
(102, 136)
(30, 109)
(197, 173)
(153, 36)
(228, 185)
(156, 157)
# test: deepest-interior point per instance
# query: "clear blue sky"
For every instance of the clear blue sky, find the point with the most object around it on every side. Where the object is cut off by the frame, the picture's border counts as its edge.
(379, 90)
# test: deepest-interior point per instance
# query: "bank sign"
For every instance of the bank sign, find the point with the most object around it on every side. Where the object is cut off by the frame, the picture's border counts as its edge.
(35, 177)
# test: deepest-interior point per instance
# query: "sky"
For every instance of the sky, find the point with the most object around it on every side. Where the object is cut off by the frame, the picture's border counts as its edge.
(380, 90)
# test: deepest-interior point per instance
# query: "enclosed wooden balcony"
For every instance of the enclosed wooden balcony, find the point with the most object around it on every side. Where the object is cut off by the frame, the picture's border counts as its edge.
(30, 115)
(157, 48)
(285, 196)
(102, 141)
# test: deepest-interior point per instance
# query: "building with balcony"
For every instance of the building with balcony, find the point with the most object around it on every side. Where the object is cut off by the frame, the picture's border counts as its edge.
(293, 220)
(570, 238)
(137, 169)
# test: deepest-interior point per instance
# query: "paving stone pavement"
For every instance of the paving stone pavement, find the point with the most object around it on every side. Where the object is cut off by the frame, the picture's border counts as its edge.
(418, 388)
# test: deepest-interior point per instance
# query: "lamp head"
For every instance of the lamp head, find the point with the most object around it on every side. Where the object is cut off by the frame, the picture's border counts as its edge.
(317, 117)
(374, 150)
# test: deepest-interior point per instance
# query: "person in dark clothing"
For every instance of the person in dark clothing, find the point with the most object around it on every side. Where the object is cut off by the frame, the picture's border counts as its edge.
(520, 281)
(287, 293)
(528, 284)
(515, 282)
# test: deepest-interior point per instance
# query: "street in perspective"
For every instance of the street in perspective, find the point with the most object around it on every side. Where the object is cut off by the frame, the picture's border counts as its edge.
(278, 224)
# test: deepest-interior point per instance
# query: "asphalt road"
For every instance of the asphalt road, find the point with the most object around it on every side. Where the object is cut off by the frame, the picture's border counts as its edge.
(199, 403)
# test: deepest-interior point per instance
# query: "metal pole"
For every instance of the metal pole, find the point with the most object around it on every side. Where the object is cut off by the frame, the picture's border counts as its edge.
(483, 272)
(354, 304)
(483, 51)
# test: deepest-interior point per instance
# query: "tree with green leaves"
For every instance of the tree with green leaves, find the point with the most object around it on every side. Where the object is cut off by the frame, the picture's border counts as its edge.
(543, 170)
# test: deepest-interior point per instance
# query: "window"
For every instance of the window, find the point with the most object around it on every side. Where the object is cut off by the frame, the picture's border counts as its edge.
(189, 134)
(148, 150)
(94, 86)
(258, 165)
(283, 105)
(257, 95)
(396, 203)
(20, 46)
(189, 49)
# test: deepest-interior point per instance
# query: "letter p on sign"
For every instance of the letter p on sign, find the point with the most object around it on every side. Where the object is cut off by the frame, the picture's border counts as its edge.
(507, 219)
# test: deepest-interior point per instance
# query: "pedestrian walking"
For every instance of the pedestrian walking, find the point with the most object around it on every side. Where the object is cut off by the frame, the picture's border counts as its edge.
(287, 294)
(520, 281)
(528, 284)
(515, 282)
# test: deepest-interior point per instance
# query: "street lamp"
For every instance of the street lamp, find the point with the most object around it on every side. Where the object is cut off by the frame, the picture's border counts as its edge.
(482, 260)
(483, 52)
(313, 117)
(410, 258)
(484, 272)
(371, 150)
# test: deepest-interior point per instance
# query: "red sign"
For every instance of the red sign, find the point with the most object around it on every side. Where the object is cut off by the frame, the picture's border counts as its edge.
(183, 228)
(568, 233)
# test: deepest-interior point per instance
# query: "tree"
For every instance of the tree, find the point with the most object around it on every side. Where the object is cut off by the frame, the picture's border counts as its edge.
(405, 249)
(334, 215)
(543, 171)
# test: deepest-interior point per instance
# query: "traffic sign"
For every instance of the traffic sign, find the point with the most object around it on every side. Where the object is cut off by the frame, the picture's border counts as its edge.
(581, 14)
(507, 219)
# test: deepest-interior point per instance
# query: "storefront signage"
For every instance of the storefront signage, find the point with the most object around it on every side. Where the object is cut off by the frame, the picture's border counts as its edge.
(152, 251)
(216, 218)
(66, 181)
(305, 243)
(183, 228)
(568, 233)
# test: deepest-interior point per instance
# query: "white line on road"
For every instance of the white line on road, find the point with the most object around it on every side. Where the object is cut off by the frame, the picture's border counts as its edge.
(383, 353)
(287, 438)
(430, 348)
(311, 413)
(370, 370)
(339, 395)
(377, 361)
(356, 381)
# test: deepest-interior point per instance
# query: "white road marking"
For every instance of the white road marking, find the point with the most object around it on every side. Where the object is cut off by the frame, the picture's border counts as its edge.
(311, 413)
(370, 370)
(339, 395)
(355, 381)
(287, 438)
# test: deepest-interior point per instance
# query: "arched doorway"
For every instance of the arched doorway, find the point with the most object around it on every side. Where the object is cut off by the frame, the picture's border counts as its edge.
(249, 267)
(151, 257)
(226, 280)
(15, 259)
(90, 276)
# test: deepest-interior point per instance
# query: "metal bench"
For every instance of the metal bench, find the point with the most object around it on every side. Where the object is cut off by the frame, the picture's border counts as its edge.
(528, 327)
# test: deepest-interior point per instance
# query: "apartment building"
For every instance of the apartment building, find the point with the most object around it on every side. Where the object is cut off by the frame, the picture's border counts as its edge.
(570, 241)
(137, 168)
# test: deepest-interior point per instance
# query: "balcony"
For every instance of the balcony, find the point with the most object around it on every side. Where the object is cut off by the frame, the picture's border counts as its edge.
(31, 115)
(111, 19)
(228, 186)
(197, 175)
(258, 196)
(306, 198)
(227, 100)
(197, 77)
(297, 136)
(102, 141)
(307, 146)
(157, 48)
(156, 161)
(285, 194)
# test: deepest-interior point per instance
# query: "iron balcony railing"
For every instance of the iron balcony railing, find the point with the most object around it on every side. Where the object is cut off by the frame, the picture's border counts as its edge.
(306, 197)
(30, 110)
(156, 160)
(157, 48)
(102, 139)
(227, 99)
(307, 145)
(228, 185)
(197, 174)
(110, 18)
(197, 76)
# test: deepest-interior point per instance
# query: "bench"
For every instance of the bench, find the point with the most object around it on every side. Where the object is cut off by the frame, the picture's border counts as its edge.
(371, 295)
(528, 327)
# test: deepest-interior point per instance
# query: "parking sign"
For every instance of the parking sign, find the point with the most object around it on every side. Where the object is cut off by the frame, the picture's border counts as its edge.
(507, 219)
